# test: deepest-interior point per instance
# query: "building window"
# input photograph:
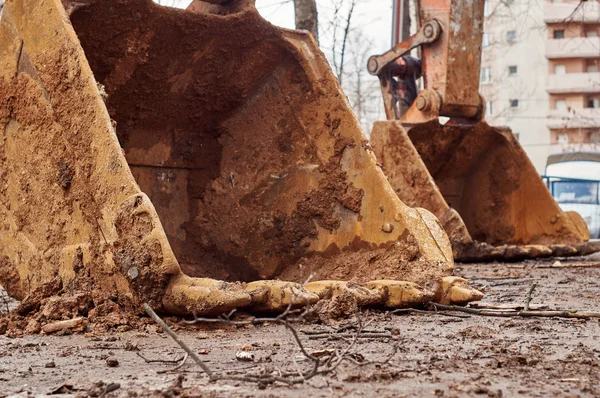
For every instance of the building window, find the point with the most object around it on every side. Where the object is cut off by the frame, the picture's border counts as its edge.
(486, 75)
(592, 68)
(560, 105)
(512, 70)
(517, 136)
(591, 33)
(487, 8)
(489, 108)
(559, 34)
(560, 69)
(563, 138)
(514, 103)
(511, 36)
(594, 103)
(486, 40)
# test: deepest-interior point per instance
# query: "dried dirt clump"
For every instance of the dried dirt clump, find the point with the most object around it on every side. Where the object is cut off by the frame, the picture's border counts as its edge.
(87, 312)
(333, 310)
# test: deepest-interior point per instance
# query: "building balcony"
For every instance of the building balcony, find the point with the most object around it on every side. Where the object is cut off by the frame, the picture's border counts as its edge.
(574, 83)
(586, 12)
(575, 118)
(576, 47)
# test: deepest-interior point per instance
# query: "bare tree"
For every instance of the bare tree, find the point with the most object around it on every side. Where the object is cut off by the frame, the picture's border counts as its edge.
(348, 46)
(307, 16)
(341, 26)
(360, 87)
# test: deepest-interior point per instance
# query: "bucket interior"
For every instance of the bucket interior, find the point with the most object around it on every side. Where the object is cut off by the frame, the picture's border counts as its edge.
(202, 110)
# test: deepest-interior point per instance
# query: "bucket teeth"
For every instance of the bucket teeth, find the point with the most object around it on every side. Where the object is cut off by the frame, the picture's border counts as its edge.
(272, 295)
(202, 296)
(400, 294)
(328, 289)
(563, 250)
(186, 295)
(455, 290)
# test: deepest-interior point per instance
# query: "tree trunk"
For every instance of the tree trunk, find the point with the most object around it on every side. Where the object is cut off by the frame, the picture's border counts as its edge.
(306, 16)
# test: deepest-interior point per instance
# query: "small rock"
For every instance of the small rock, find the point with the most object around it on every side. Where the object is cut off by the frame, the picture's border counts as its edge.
(244, 356)
(75, 324)
(50, 365)
(129, 346)
(387, 227)
(112, 362)
(323, 353)
(3, 326)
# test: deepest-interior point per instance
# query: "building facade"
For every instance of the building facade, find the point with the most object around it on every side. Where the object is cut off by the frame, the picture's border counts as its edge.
(540, 74)
(573, 82)
(513, 73)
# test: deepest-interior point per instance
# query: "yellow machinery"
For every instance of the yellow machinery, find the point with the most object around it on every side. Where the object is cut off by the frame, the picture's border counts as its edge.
(476, 179)
(198, 161)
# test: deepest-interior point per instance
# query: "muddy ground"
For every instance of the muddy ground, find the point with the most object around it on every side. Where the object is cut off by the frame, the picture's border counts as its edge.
(438, 355)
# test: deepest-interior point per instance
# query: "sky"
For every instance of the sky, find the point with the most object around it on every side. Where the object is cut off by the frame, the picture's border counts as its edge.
(374, 17)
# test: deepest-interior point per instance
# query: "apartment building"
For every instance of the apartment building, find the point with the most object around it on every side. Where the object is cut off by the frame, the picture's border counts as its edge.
(573, 82)
(540, 73)
(513, 73)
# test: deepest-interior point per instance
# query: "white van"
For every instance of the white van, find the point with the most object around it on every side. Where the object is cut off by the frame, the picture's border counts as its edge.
(574, 181)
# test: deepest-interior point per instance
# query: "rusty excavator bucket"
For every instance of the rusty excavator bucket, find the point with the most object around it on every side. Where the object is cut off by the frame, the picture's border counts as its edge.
(200, 161)
(475, 178)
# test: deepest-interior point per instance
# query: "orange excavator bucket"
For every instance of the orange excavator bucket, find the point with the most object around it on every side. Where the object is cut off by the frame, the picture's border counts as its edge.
(198, 161)
(475, 178)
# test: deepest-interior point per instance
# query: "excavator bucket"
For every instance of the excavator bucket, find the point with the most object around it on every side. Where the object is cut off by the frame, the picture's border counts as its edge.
(475, 178)
(483, 188)
(199, 161)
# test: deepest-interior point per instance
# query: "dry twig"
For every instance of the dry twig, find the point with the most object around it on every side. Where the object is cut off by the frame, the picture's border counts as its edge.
(528, 296)
(179, 361)
(573, 265)
(176, 338)
(320, 365)
(340, 336)
(525, 314)
(148, 360)
(506, 307)
(414, 310)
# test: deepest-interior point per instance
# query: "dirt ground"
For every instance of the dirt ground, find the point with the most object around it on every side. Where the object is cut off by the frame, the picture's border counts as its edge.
(438, 355)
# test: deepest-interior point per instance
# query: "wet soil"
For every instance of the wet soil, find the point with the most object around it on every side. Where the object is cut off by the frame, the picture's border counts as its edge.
(438, 355)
